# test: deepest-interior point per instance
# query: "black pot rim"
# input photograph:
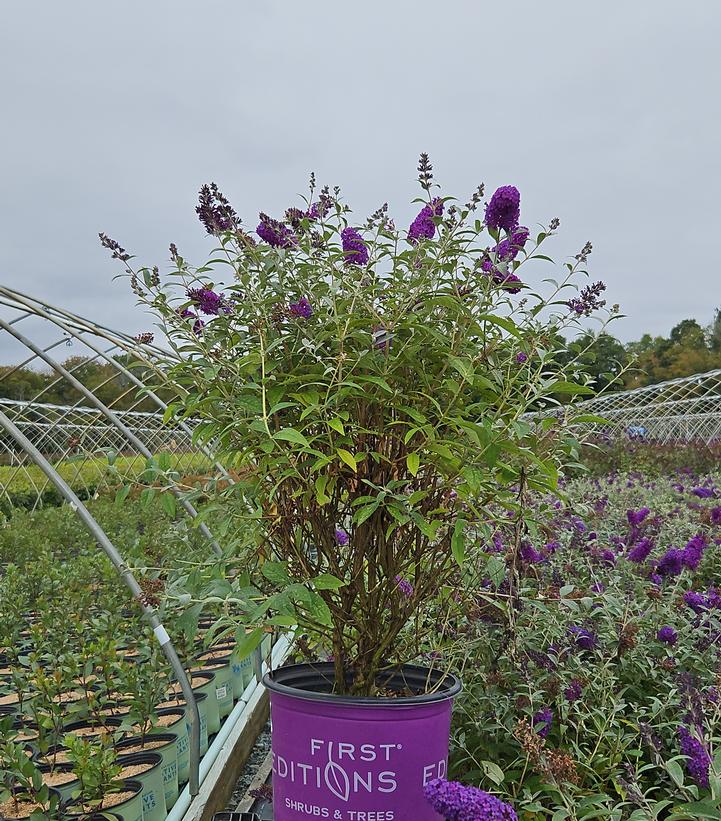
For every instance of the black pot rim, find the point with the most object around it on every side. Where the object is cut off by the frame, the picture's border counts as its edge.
(314, 682)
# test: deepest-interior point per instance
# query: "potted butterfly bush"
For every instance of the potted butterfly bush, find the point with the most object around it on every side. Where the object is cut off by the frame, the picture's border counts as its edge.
(367, 385)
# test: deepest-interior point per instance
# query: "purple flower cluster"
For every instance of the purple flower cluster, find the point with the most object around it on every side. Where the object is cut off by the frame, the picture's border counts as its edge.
(341, 536)
(404, 586)
(588, 301)
(457, 802)
(636, 517)
(275, 233)
(640, 551)
(521, 358)
(198, 325)
(207, 301)
(699, 602)
(574, 691)
(704, 492)
(529, 553)
(214, 211)
(504, 208)
(693, 552)
(583, 638)
(354, 249)
(671, 563)
(544, 718)
(698, 759)
(301, 309)
(423, 226)
(508, 249)
(667, 635)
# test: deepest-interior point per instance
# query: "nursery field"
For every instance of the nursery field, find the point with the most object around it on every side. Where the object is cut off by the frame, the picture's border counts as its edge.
(592, 690)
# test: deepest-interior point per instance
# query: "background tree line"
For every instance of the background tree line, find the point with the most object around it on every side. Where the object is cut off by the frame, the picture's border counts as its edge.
(108, 384)
(690, 348)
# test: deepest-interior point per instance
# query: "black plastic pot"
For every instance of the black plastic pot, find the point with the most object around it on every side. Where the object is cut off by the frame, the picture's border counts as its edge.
(107, 725)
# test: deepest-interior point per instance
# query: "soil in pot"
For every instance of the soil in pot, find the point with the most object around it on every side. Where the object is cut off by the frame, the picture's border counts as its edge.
(147, 769)
(91, 729)
(334, 756)
(126, 802)
(16, 811)
(61, 777)
(204, 683)
(223, 685)
(166, 745)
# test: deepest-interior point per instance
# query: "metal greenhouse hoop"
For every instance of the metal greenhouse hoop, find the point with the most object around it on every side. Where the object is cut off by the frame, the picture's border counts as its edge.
(36, 432)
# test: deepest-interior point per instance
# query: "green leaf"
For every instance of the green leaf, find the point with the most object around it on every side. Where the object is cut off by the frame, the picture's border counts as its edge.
(247, 642)
(348, 458)
(337, 425)
(292, 435)
(276, 572)
(327, 581)
(458, 546)
(493, 771)
(122, 495)
(496, 570)
(413, 462)
(570, 388)
(365, 512)
(167, 500)
(320, 494)
(675, 771)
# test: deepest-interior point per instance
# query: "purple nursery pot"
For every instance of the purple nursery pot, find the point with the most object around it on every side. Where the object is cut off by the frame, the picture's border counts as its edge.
(356, 758)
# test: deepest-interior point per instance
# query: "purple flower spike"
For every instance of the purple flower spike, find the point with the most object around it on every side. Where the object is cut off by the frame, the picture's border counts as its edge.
(640, 551)
(667, 635)
(698, 759)
(504, 208)
(341, 536)
(301, 309)
(543, 717)
(589, 300)
(404, 586)
(275, 233)
(671, 563)
(508, 249)
(423, 226)
(207, 301)
(574, 691)
(584, 639)
(635, 517)
(354, 249)
(456, 802)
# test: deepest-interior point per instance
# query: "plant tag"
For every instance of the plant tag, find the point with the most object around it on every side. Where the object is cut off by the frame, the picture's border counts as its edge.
(221, 692)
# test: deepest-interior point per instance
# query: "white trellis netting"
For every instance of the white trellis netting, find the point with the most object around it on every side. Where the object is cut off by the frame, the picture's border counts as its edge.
(687, 409)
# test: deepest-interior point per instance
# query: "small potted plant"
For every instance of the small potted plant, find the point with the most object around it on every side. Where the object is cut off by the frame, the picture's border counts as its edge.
(368, 385)
(23, 793)
(100, 788)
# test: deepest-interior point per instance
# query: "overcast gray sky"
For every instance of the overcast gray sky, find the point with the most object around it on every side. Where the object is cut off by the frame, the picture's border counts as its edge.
(605, 114)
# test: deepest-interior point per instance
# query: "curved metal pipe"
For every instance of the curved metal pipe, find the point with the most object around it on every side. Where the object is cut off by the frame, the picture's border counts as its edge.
(126, 574)
(114, 420)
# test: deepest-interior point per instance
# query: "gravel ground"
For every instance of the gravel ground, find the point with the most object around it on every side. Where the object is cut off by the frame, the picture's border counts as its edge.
(260, 751)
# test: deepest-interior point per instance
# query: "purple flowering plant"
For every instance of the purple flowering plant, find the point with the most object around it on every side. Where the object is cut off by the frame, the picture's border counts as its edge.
(363, 379)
